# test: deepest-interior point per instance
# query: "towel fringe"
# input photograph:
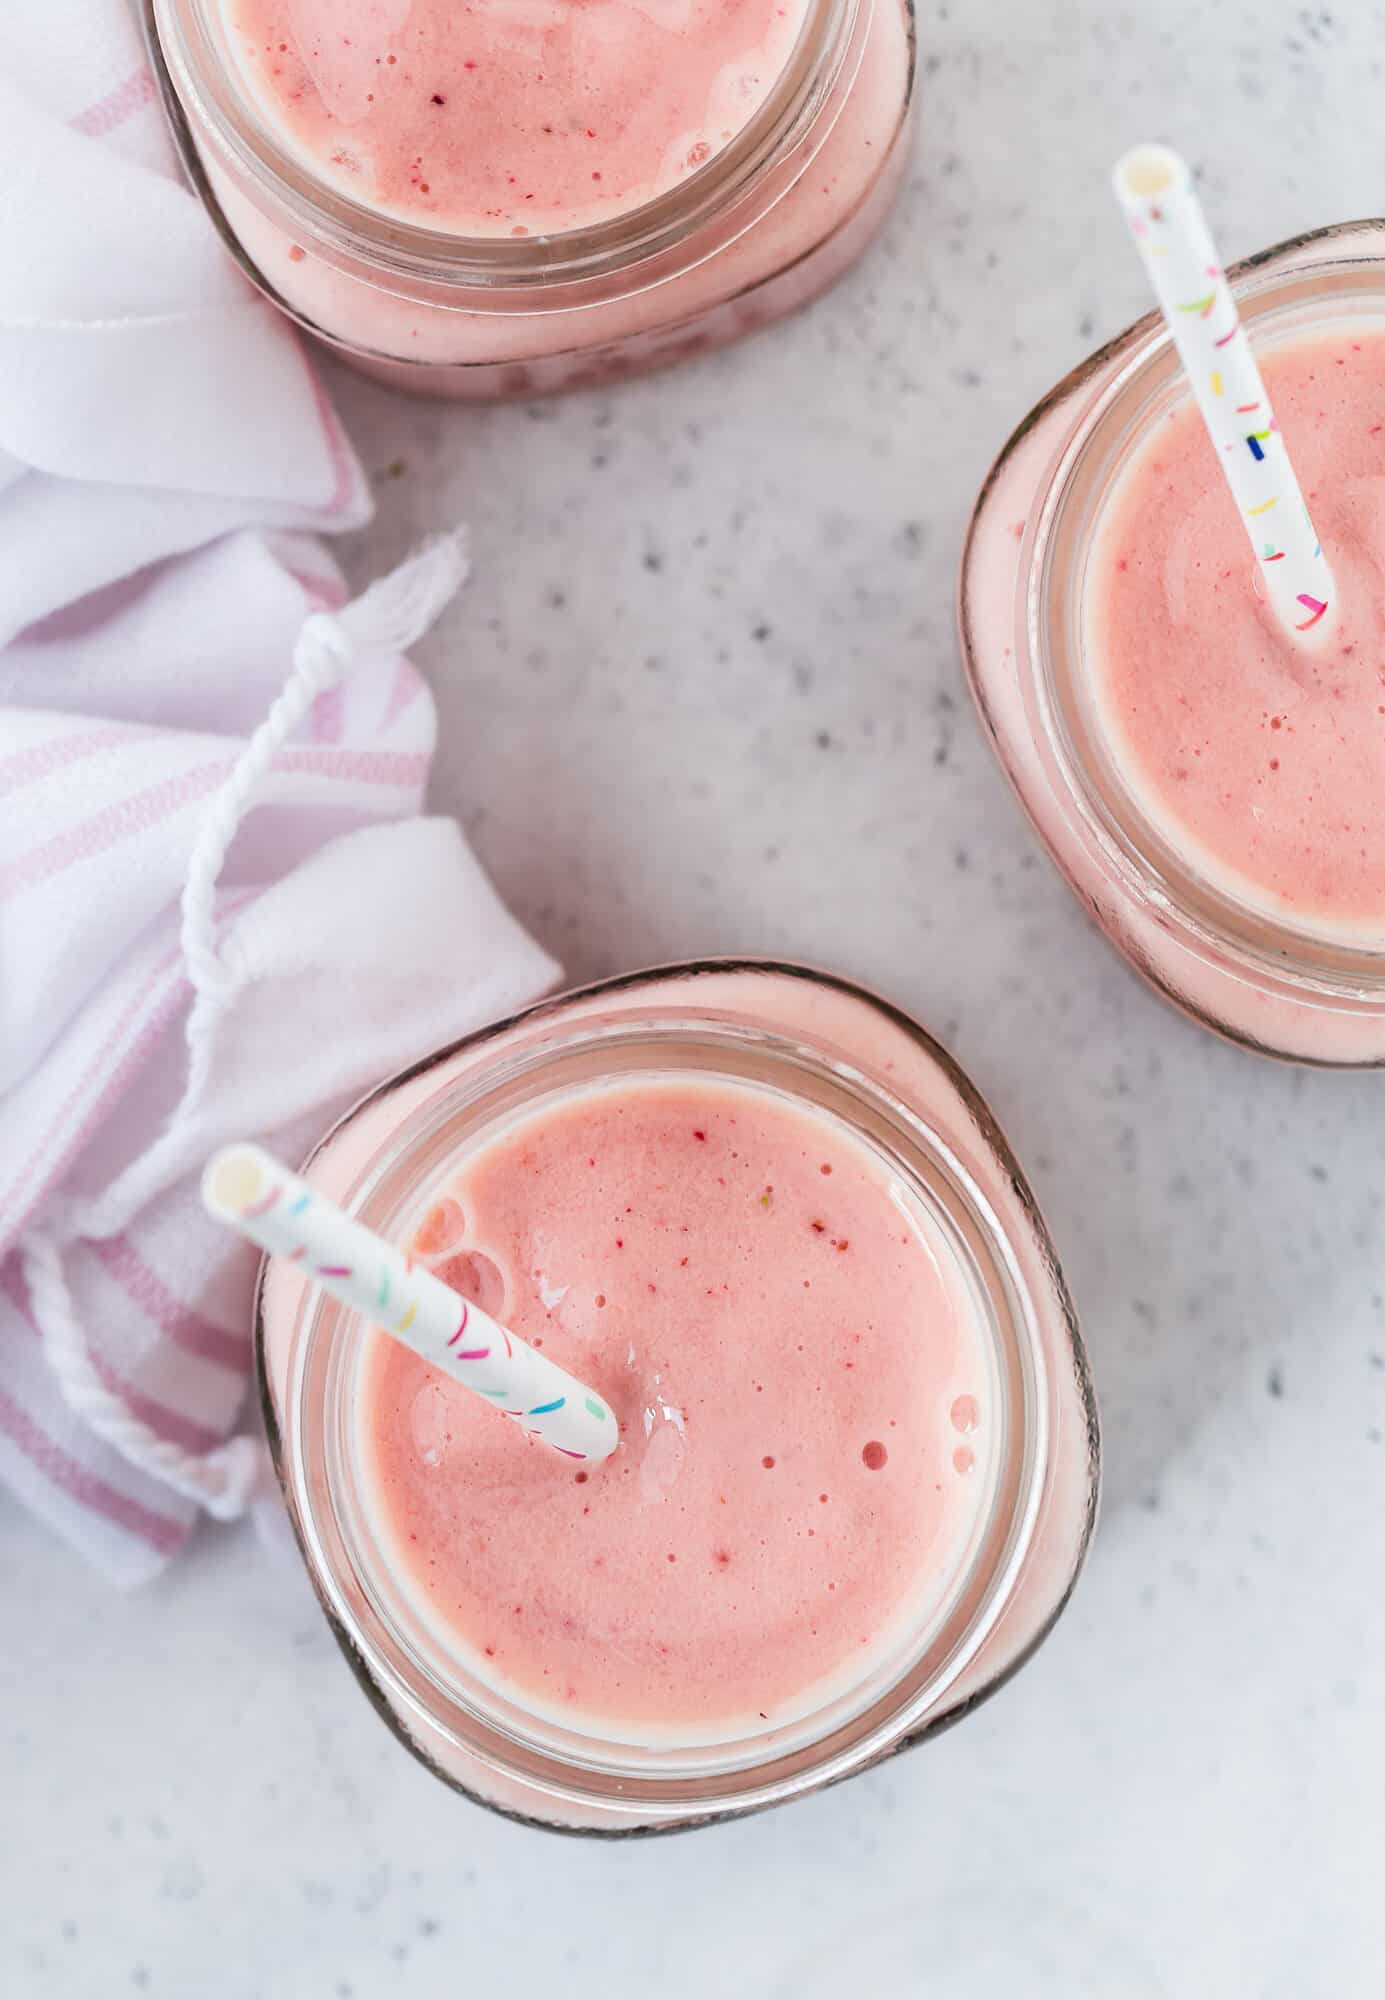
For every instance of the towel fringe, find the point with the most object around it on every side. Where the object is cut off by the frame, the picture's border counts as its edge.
(382, 623)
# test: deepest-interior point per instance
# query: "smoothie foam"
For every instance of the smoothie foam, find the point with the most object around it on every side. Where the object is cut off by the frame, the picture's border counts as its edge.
(1260, 761)
(510, 117)
(806, 1398)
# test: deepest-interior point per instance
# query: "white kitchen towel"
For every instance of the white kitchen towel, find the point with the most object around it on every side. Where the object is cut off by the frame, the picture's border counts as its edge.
(168, 978)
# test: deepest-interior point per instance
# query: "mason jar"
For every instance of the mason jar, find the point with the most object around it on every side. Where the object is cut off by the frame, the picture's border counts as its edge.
(860, 1067)
(1284, 987)
(764, 225)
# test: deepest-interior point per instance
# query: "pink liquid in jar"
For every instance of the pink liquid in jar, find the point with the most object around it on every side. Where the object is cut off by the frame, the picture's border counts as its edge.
(511, 117)
(802, 1378)
(1259, 761)
(513, 197)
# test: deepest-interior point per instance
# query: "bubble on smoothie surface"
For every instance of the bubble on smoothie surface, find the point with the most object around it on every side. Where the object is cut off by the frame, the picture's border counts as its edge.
(965, 1414)
(441, 1227)
(662, 1463)
(873, 1455)
(964, 1458)
(429, 1418)
(478, 1278)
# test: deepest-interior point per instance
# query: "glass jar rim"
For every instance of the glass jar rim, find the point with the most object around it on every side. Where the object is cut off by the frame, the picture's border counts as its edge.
(832, 34)
(974, 1603)
(1278, 281)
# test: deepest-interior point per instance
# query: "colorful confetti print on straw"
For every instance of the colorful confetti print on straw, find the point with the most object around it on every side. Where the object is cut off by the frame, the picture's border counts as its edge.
(1155, 190)
(253, 1193)
(468, 1353)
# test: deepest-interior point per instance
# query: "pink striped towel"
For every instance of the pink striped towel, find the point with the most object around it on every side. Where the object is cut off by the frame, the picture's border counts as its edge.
(166, 460)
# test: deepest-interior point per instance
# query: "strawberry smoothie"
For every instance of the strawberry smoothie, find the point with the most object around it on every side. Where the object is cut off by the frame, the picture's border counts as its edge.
(519, 196)
(893, 1335)
(1211, 792)
(1258, 761)
(511, 117)
(806, 1399)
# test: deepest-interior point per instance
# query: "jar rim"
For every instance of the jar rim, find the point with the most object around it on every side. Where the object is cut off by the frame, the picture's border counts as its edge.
(1142, 369)
(832, 34)
(661, 1801)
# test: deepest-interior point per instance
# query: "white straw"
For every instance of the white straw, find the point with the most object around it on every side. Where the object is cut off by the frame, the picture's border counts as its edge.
(245, 1187)
(1155, 190)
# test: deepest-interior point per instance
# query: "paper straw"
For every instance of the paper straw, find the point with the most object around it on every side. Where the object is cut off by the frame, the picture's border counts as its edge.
(1155, 189)
(245, 1187)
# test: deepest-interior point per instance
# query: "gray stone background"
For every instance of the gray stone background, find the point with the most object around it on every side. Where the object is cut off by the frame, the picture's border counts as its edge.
(703, 695)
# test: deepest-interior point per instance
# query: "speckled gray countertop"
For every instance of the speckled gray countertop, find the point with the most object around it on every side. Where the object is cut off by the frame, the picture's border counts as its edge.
(704, 696)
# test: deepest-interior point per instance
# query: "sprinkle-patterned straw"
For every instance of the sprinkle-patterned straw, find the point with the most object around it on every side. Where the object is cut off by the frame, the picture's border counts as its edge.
(1155, 189)
(260, 1198)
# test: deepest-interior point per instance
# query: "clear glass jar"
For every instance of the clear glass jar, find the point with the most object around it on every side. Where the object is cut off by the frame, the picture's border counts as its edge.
(832, 1048)
(746, 238)
(1262, 982)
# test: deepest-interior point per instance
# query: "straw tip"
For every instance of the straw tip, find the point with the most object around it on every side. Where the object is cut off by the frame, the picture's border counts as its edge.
(232, 1180)
(1147, 171)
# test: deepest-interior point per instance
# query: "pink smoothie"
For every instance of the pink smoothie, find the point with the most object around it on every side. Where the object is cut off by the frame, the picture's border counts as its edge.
(511, 117)
(1261, 763)
(805, 1397)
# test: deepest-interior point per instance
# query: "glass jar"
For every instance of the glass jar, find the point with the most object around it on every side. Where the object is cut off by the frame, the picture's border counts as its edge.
(1257, 979)
(834, 1049)
(747, 237)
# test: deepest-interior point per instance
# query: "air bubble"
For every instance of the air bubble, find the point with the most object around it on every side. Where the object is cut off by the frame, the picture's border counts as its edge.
(428, 1420)
(478, 1278)
(441, 1227)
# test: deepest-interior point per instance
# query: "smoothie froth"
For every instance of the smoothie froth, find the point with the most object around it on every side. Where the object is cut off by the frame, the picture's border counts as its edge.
(806, 1403)
(1260, 761)
(510, 117)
